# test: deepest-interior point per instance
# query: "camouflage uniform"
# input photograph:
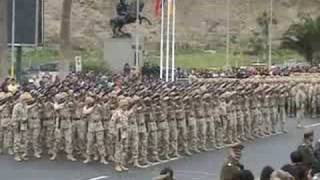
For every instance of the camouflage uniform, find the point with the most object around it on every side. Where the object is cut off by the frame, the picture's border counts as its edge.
(20, 126)
(34, 128)
(172, 128)
(95, 133)
(191, 124)
(79, 127)
(247, 118)
(208, 114)
(107, 112)
(201, 123)
(152, 129)
(267, 114)
(300, 105)
(218, 112)
(160, 111)
(181, 127)
(258, 121)
(48, 125)
(62, 128)
(119, 128)
(143, 135)
(133, 147)
(6, 131)
(282, 116)
(240, 118)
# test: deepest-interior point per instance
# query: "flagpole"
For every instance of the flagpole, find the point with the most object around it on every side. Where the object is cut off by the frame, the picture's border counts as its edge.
(168, 42)
(270, 33)
(173, 38)
(228, 34)
(13, 33)
(137, 35)
(161, 41)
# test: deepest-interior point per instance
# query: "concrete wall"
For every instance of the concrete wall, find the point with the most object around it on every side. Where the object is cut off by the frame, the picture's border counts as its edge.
(119, 51)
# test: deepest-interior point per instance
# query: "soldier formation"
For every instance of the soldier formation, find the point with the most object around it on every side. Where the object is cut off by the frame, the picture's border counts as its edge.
(139, 123)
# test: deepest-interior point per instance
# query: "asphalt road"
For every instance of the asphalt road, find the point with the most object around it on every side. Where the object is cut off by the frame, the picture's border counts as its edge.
(272, 151)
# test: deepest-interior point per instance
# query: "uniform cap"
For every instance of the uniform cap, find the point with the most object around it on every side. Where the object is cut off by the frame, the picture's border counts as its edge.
(238, 146)
(308, 133)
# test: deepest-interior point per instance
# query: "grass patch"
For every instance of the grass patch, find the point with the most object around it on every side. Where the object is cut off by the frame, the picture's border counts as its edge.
(207, 60)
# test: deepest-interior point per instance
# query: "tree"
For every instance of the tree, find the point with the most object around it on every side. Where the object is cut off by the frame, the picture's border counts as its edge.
(259, 42)
(65, 45)
(304, 38)
(3, 39)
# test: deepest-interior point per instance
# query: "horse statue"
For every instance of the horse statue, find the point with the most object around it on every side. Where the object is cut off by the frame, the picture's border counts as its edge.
(127, 14)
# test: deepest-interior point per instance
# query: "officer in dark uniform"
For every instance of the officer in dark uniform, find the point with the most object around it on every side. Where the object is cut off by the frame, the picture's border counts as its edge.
(306, 149)
(232, 168)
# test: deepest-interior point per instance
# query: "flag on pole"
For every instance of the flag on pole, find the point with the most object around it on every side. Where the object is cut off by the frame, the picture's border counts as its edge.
(158, 7)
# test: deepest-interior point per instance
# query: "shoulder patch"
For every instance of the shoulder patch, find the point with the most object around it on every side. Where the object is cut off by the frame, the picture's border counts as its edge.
(229, 164)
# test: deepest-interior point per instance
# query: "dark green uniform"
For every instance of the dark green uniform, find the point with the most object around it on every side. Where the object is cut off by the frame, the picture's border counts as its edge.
(307, 154)
(230, 170)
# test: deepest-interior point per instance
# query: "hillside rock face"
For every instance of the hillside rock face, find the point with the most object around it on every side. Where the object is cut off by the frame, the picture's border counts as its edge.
(200, 23)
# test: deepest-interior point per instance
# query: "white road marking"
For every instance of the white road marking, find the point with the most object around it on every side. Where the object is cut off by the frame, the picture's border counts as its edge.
(194, 172)
(311, 126)
(162, 162)
(100, 177)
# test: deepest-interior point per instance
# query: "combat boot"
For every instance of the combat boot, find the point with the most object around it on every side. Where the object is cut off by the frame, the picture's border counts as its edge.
(53, 157)
(96, 157)
(145, 162)
(87, 160)
(17, 158)
(71, 158)
(103, 161)
(136, 163)
(124, 168)
(25, 156)
(188, 153)
(166, 157)
(37, 155)
(10, 151)
(118, 168)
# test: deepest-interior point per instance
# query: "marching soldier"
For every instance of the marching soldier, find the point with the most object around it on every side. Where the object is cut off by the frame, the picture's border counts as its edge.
(181, 126)
(300, 98)
(20, 126)
(119, 128)
(48, 123)
(160, 111)
(95, 132)
(142, 133)
(34, 126)
(6, 131)
(191, 124)
(62, 127)
(133, 133)
(79, 128)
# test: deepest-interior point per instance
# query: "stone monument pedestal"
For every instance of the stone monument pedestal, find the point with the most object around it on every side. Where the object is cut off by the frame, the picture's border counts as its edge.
(119, 51)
